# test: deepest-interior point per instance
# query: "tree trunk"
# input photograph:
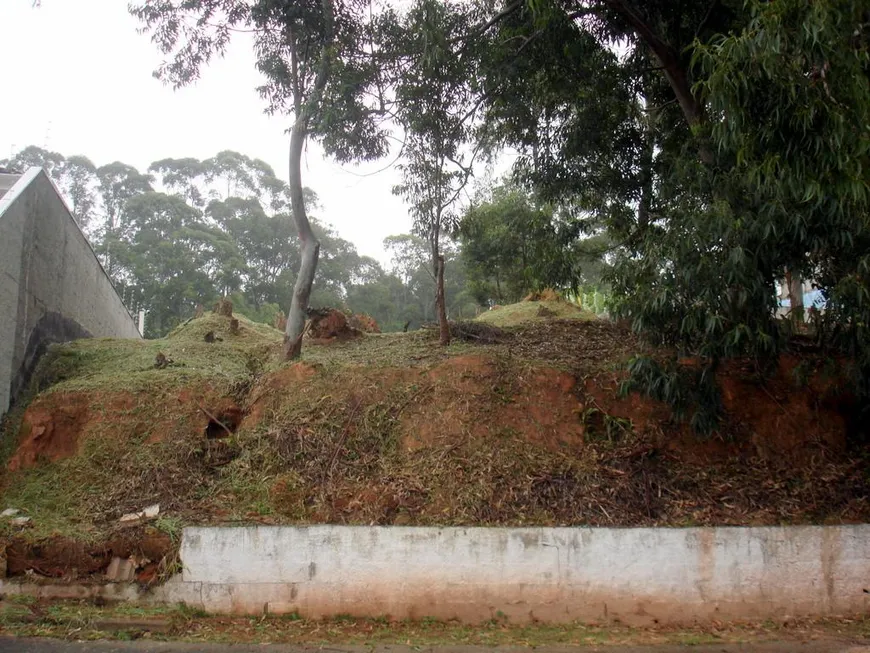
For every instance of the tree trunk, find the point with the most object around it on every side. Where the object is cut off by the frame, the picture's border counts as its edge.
(440, 304)
(795, 295)
(674, 69)
(310, 250)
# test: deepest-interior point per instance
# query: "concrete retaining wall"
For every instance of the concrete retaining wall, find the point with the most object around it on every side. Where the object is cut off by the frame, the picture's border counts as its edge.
(52, 287)
(550, 574)
(637, 576)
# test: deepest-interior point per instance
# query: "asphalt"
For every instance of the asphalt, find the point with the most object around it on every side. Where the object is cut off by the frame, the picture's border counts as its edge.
(16, 645)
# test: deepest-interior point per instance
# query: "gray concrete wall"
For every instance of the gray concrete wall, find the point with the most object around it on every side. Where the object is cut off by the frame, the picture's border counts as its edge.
(637, 575)
(52, 287)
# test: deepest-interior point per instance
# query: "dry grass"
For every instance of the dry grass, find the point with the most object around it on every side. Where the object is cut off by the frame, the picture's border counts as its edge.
(393, 429)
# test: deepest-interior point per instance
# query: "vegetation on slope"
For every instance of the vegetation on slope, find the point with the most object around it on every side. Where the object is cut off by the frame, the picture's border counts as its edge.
(393, 429)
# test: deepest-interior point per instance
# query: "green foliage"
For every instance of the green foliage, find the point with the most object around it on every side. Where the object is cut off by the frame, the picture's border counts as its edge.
(511, 247)
(717, 148)
(691, 391)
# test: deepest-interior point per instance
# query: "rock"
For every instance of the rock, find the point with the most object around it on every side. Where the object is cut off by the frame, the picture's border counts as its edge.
(211, 337)
(148, 513)
(20, 521)
(9, 512)
(121, 570)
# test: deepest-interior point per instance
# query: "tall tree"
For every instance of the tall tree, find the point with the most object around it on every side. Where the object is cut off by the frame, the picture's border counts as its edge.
(119, 183)
(77, 176)
(317, 69)
(435, 107)
(184, 176)
(168, 257)
(33, 156)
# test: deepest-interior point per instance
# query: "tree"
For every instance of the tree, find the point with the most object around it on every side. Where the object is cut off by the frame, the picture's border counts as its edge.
(237, 246)
(317, 69)
(119, 183)
(181, 176)
(434, 106)
(790, 101)
(511, 247)
(168, 257)
(77, 176)
(33, 156)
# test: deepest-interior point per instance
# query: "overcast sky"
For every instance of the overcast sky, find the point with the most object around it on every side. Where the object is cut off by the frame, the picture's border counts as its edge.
(77, 79)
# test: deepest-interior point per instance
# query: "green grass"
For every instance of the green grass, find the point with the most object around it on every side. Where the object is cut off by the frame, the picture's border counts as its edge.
(111, 364)
(534, 311)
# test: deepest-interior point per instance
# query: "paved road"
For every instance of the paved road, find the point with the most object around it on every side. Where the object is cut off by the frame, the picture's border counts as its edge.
(11, 644)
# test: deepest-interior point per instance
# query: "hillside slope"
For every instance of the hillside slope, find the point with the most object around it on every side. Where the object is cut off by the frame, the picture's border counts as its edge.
(392, 429)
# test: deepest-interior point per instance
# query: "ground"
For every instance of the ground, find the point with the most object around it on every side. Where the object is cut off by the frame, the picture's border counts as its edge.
(151, 627)
(55, 646)
(518, 425)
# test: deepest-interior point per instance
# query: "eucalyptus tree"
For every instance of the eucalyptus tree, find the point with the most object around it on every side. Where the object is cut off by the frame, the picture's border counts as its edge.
(319, 67)
(435, 105)
(184, 176)
(78, 180)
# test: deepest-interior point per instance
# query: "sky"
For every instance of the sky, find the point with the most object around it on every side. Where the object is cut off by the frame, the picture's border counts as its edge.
(77, 79)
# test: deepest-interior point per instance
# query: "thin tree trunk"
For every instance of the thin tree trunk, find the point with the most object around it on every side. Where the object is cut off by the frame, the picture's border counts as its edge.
(440, 304)
(795, 295)
(310, 249)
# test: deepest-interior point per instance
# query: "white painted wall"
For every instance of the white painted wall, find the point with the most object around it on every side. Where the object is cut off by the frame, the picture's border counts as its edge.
(550, 574)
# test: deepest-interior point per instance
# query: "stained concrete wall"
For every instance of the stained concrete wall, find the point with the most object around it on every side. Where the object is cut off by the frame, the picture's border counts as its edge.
(52, 287)
(637, 575)
(549, 574)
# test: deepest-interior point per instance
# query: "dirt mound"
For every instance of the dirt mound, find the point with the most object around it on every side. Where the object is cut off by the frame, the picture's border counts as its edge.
(148, 549)
(57, 425)
(528, 429)
(539, 407)
(364, 323)
(50, 430)
(326, 326)
(534, 311)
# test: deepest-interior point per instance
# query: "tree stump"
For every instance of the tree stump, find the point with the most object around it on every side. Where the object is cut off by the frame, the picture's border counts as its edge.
(280, 321)
(224, 307)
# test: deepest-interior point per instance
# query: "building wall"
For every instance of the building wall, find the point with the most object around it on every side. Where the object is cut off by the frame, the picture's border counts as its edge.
(52, 287)
(637, 575)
